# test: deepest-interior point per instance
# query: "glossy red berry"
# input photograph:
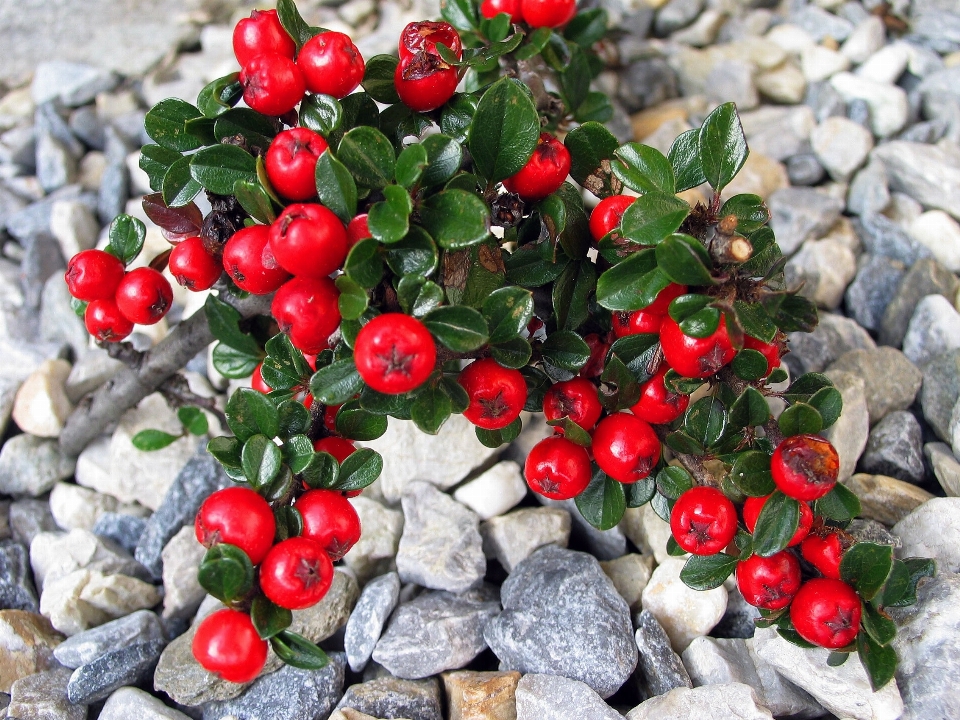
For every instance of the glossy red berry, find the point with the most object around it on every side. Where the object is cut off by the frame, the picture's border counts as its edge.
(497, 394)
(491, 8)
(658, 405)
(330, 418)
(93, 275)
(330, 520)
(339, 447)
(296, 573)
(753, 506)
(257, 382)
(824, 550)
(769, 582)
(805, 467)
(291, 163)
(331, 64)
(144, 296)
(307, 311)
(237, 516)
(424, 36)
(192, 266)
(576, 399)
(357, 230)
(105, 322)
(394, 353)
(625, 447)
(771, 351)
(227, 643)
(250, 263)
(272, 84)
(695, 357)
(703, 521)
(548, 13)
(308, 240)
(544, 172)
(826, 612)
(557, 468)
(261, 33)
(607, 214)
(424, 81)
(637, 322)
(661, 305)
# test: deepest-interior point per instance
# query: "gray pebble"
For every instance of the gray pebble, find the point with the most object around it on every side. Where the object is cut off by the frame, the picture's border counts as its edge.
(84, 648)
(926, 277)
(659, 669)
(895, 448)
(125, 530)
(805, 169)
(389, 697)
(872, 289)
(125, 666)
(16, 581)
(377, 601)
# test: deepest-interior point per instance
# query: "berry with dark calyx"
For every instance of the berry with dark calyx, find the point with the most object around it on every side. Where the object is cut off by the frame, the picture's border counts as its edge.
(192, 266)
(637, 322)
(625, 447)
(805, 467)
(261, 33)
(497, 394)
(491, 8)
(144, 296)
(703, 521)
(826, 612)
(250, 263)
(256, 380)
(308, 240)
(771, 351)
(661, 306)
(358, 229)
(548, 13)
(105, 322)
(291, 163)
(824, 550)
(576, 399)
(307, 310)
(751, 511)
(657, 404)
(394, 353)
(424, 36)
(272, 84)
(695, 357)
(424, 81)
(93, 275)
(237, 516)
(330, 520)
(557, 468)
(607, 215)
(331, 64)
(227, 643)
(296, 573)
(339, 447)
(544, 172)
(769, 582)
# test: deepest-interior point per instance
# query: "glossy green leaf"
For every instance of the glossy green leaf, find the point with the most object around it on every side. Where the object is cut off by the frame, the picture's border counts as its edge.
(566, 350)
(336, 383)
(829, 403)
(226, 450)
(672, 481)
(359, 470)
(257, 130)
(723, 147)
(255, 200)
(218, 96)
(702, 323)
(750, 409)
(839, 504)
(364, 264)
(260, 460)
(320, 113)
(706, 421)
(226, 572)
(755, 320)
(806, 386)
(250, 413)
(684, 260)
(459, 328)
(294, 419)
(644, 169)
(750, 210)
(166, 125)
(455, 219)
(603, 502)
(705, 572)
(224, 325)
(496, 438)
(297, 651)
(430, 409)
(150, 439)
(462, 14)
(418, 296)
(411, 162)
(507, 312)
(155, 161)
(684, 156)
(368, 155)
(193, 419)
(749, 364)
(444, 158)
(457, 116)
(321, 471)
(800, 419)
(880, 627)
(127, 235)
(389, 220)
(218, 168)
(587, 27)
(632, 284)
(504, 132)
(232, 363)
(416, 254)
(178, 186)
(776, 524)
(268, 618)
(575, 80)
(591, 148)
(879, 661)
(653, 217)
(353, 299)
(866, 566)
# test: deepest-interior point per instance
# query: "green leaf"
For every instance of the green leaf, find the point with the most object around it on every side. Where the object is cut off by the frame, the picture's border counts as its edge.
(368, 155)
(322, 471)
(632, 284)
(836, 659)
(417, 296)
(298, 449)
(353, 298)
(640, 492)
(356, 423)
(226, 450)
(457, 327)
(866, 566)
(218, 168)
(363, 264)
(839, 504)
(411, 163)
(358, 109)
(224, 325)
(750, 409)
(751, 474)
(389, 220)
(255, 200)
(232, 363)
(644, 169)
(596, 108)
(673, 481)
(444, 158)
(378, 78)
(749, 365)
(706, 421)
(250, 413)
(496, 438)
(166, 125)
(155, 161)
(602, 503)
(336, 383)
(359, 470)
(571, 431)
(514, 353)
(226, 572)
(653, 217)
(776, 524)
(260, 460)
(455, 219)
(572, 292)
(415, 254)
(504, 132)
(755, 320)
(799, 419)
(702, 324)
(881, 628)
(258, 130)
(619, 386)
(295, 649)
(295, 26)
(684, 260)
(806, 386)
(879, 661)
(684, 156)
(829, 403)
(575, 80)
(507, 312)
(268, 618)
(797, 314)
(193, 419)
(320, 113)
(705, 572)
(457, 116)
(723, 147)
(684, 306)
(149, 440)
(462, 14)
(126, 238)
(590, 145)
(430, 409)
(178, 186)
(750, 210)
(294, 419)
(566, 350)
(587, 27)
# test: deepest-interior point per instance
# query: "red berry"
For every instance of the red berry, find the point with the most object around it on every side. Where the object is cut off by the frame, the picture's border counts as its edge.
(497, 394)
(93, 275)
(753, 506)
(424, 81)
(576, 399)
(637, 322)
(308, 240)
(661, 305)
(625, 447)
(548, 13)
(805, 467)
(105, 322)
(703, 521)
(769, 582)
(237, 516)
(330, 520)
(192, 266)
(227, 643)
(144, 296)
(544, 172)
(307, 310)
(296, 573)
(425, 35)
(272, 84)
(491, 8)
(339, 447)
(695, 357)
(256, 380)
(394, 353)
(330, 419)
(598, 354)
(824, 550)
(557, 468)
(357, 230)
(261, 33)
(771, 351)
(607, 214)
(658, 405)
(826, 612)
(291, 163)
(250, 263)
(331, 64)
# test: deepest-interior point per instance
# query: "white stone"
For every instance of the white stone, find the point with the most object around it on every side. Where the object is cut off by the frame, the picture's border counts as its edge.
(647, 530)
(945, 465)
(887, 64)
(85, 599)
(819, 63)
(784, 84)
(42, 406)
(74, 226)
(683, 612)
(181, 560)
(868, 37)
(933, 531)
(933, 330)
(955, 428)
(379, 540)
(513, 537)
(552, 697)
(850, 433)
(827, 267)
(93, 464)
(841, 146)
(54, 555)
(91, 370)
(494, 492)
(731, 700)
(941, 233)
(630, 575)
(75, 507)
(791, 38)
(888, 103)
(930, 174)
(127, 703)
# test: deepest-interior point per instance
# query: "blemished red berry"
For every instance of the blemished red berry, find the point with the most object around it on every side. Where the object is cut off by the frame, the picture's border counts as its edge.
(548, 13)
(272, 84)
(491, 8)
(394, 353)
(250, 263)
(637, 322)
(753, 506)
(192, 266)
(257, 382)
(607, 214)
(497, 394)
(227, 643)
(703, 521)
(824, 550)
(261, 33)
(307, 311)
(93, 275)
(625, 447)
(769, 582)
(695, 357)
(805, 467)
(557, 468)
(237, 516)
(576, 399)
(661, 305)
(144, 296)
(308, 240)
(424, 36)
(544, 172)
(331, 64)
(296, 573)
(291, 163)
(330, 520)
(339, 447)
(424, 81)
(658, 405)
(826, 612)
(769, 350)
(357, 230)
(105, 322)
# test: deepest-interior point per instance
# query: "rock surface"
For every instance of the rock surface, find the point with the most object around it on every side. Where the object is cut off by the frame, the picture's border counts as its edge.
(683, 612)
(553, 697)
(733, 700)
(377, 601)
(932, 530)
(481, 695)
